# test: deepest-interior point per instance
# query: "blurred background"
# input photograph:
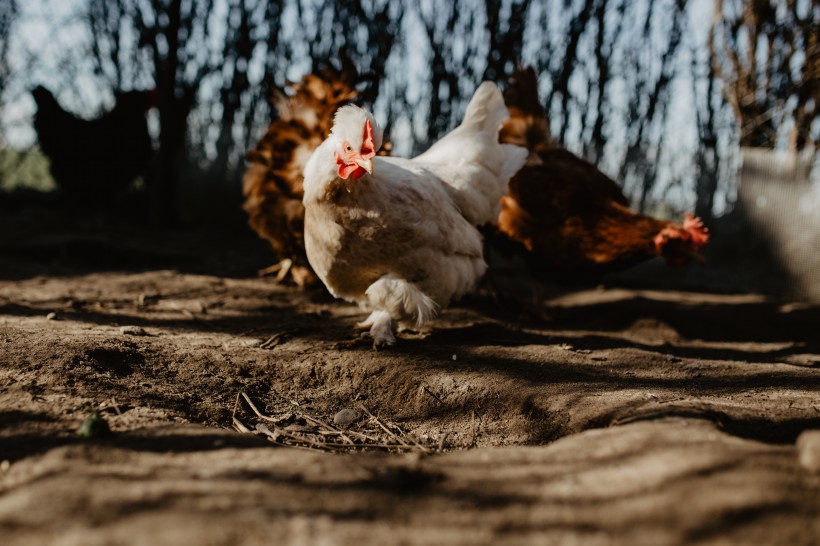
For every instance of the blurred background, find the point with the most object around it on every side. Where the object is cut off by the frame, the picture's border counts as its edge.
(708, 106)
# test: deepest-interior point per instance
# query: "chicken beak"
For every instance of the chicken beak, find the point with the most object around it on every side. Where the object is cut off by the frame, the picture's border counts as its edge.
(365, 164)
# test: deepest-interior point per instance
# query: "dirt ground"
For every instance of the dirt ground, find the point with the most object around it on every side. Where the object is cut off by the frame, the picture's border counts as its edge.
(626, 416)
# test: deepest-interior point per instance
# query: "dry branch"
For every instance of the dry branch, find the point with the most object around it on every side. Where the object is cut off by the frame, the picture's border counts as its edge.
(321, 436)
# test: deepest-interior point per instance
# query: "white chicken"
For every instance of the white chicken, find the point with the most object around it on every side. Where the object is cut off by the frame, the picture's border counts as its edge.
(398, 236)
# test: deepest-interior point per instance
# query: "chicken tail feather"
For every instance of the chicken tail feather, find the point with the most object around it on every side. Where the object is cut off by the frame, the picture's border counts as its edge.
(480, 175)
(486, 111)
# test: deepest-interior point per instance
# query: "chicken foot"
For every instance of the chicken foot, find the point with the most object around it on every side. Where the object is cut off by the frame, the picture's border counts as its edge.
(394, 300)
(382, 328)
(281, 269)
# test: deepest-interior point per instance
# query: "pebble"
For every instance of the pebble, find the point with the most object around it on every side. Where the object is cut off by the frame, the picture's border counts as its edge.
(133, 331)
(808, 450)
(51, 316)
(346, 416)
(94, 427)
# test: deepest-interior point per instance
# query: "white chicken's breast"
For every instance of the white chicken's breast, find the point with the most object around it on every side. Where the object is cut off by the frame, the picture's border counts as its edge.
(402, 222)
(399, 236)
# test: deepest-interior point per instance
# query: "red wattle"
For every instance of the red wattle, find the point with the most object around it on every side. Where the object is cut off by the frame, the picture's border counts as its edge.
(346, 170)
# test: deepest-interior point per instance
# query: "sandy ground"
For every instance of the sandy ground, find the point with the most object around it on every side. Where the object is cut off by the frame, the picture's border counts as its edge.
(629, 417)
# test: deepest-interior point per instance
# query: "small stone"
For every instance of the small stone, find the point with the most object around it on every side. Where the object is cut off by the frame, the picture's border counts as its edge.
(346, 417)
(94, 427)
(5, 465)
(808, 450)
(133, 331)
(51, 316)
(455, 357)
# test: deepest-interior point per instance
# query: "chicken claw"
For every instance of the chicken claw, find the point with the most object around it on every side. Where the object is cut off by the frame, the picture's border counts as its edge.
(281, 269)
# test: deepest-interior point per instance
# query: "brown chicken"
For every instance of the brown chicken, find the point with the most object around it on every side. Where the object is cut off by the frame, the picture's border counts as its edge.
(272, 184)
(566, 217)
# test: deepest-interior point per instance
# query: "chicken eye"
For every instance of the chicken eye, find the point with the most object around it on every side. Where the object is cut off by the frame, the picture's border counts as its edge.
(348, 148)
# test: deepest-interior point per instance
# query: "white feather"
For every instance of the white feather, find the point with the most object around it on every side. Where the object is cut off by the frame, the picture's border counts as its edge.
(471, 160)
(349, 122)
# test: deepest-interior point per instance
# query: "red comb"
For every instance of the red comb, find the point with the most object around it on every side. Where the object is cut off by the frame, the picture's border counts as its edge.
(696, 230)
(368, 146)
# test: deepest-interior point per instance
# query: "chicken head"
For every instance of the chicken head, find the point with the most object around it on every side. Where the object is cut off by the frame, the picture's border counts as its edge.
(359, 138)
(679, 244)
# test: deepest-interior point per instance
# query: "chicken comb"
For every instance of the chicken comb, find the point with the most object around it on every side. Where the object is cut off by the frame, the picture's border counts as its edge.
(698, 233)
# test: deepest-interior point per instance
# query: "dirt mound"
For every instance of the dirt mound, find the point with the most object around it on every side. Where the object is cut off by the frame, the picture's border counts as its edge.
(627, 417)
(652, 418)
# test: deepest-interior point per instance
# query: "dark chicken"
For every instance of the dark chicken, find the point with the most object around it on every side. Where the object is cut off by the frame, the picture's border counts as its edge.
(273, 182)
(566, 217)
(95, 160)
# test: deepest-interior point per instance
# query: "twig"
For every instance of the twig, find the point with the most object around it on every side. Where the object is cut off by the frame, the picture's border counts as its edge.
(327, 426)
(391, 433)
(296, 446)
(263, 428)
(271, 342)
(305, 417)
(352, 433)
(279, 433)
(256, 410)
(416, 443)
(317, 439)
(382, 425)
(237, 424)
(431, 393)
(235, 404)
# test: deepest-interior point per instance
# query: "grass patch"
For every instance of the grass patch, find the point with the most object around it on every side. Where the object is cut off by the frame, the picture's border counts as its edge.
(25, 169)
